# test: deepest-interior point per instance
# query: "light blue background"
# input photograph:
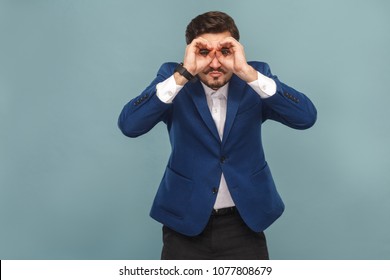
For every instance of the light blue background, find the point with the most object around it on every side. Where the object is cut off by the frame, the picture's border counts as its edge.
(73, 187)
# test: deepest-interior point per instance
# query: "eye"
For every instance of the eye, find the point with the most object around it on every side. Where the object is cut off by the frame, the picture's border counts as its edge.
(225, 51)
(204, 52)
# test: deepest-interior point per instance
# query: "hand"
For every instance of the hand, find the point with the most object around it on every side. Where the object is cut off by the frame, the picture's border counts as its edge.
(198, 55)
(230, 53)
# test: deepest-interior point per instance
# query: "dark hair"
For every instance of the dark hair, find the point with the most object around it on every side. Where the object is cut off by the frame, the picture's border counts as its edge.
(211, 22)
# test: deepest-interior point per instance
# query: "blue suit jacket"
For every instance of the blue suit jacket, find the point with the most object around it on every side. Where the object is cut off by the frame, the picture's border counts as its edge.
(187, 192)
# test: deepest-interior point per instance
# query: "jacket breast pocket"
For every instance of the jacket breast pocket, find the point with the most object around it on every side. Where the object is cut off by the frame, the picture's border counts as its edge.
(251, 113)
(174, 193)
(264, 190)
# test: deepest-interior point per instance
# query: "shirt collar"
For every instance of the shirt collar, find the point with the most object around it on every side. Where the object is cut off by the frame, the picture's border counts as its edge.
(222, 90)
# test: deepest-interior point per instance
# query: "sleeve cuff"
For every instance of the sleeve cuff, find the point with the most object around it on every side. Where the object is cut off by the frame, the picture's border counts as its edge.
(167, 90)
(264, 86)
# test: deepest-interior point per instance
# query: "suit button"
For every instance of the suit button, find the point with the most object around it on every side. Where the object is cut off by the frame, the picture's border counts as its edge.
(215, 190)
(222, 159)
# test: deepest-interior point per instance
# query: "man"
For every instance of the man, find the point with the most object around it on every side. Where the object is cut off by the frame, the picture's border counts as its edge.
(217, 195)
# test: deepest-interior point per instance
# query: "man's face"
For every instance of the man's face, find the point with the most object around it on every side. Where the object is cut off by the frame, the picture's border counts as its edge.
(215, 75)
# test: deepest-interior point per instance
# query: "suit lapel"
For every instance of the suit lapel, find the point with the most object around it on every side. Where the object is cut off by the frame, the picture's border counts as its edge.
(235, 94)
(198, 95)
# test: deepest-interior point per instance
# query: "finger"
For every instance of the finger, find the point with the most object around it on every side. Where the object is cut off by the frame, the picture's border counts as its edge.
(228, 42)
(211, 54)
(207, 53)
(202, 43)
(197, 44)
(223, 59)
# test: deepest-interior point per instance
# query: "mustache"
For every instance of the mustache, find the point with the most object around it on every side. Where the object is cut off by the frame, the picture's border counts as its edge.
(214, 70)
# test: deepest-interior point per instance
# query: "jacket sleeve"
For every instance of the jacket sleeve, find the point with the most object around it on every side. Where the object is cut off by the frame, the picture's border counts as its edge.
(288, 106)
(143, 112)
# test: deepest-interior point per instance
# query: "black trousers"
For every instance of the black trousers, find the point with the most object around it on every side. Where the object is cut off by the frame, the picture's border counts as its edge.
(226, 237)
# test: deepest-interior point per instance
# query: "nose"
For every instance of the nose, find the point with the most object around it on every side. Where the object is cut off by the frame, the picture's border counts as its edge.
(215, 64)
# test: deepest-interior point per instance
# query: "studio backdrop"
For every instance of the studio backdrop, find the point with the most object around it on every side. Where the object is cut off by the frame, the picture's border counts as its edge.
(73, 187)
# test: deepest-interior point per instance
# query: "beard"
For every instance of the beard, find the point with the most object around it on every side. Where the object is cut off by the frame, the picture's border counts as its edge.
(215, 82)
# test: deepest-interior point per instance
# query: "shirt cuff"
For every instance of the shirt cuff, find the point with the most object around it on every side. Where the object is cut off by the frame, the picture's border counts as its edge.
(167, 90)
(264, 86)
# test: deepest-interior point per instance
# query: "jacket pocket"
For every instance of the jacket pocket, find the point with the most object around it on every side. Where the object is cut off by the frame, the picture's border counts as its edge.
(264, 191)
(174, 193)
(251, 113)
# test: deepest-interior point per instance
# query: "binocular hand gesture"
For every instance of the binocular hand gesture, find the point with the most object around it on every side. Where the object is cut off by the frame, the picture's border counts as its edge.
(228, 53)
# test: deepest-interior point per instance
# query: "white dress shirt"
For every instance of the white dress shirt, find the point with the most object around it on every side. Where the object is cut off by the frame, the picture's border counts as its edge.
(217, 103)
